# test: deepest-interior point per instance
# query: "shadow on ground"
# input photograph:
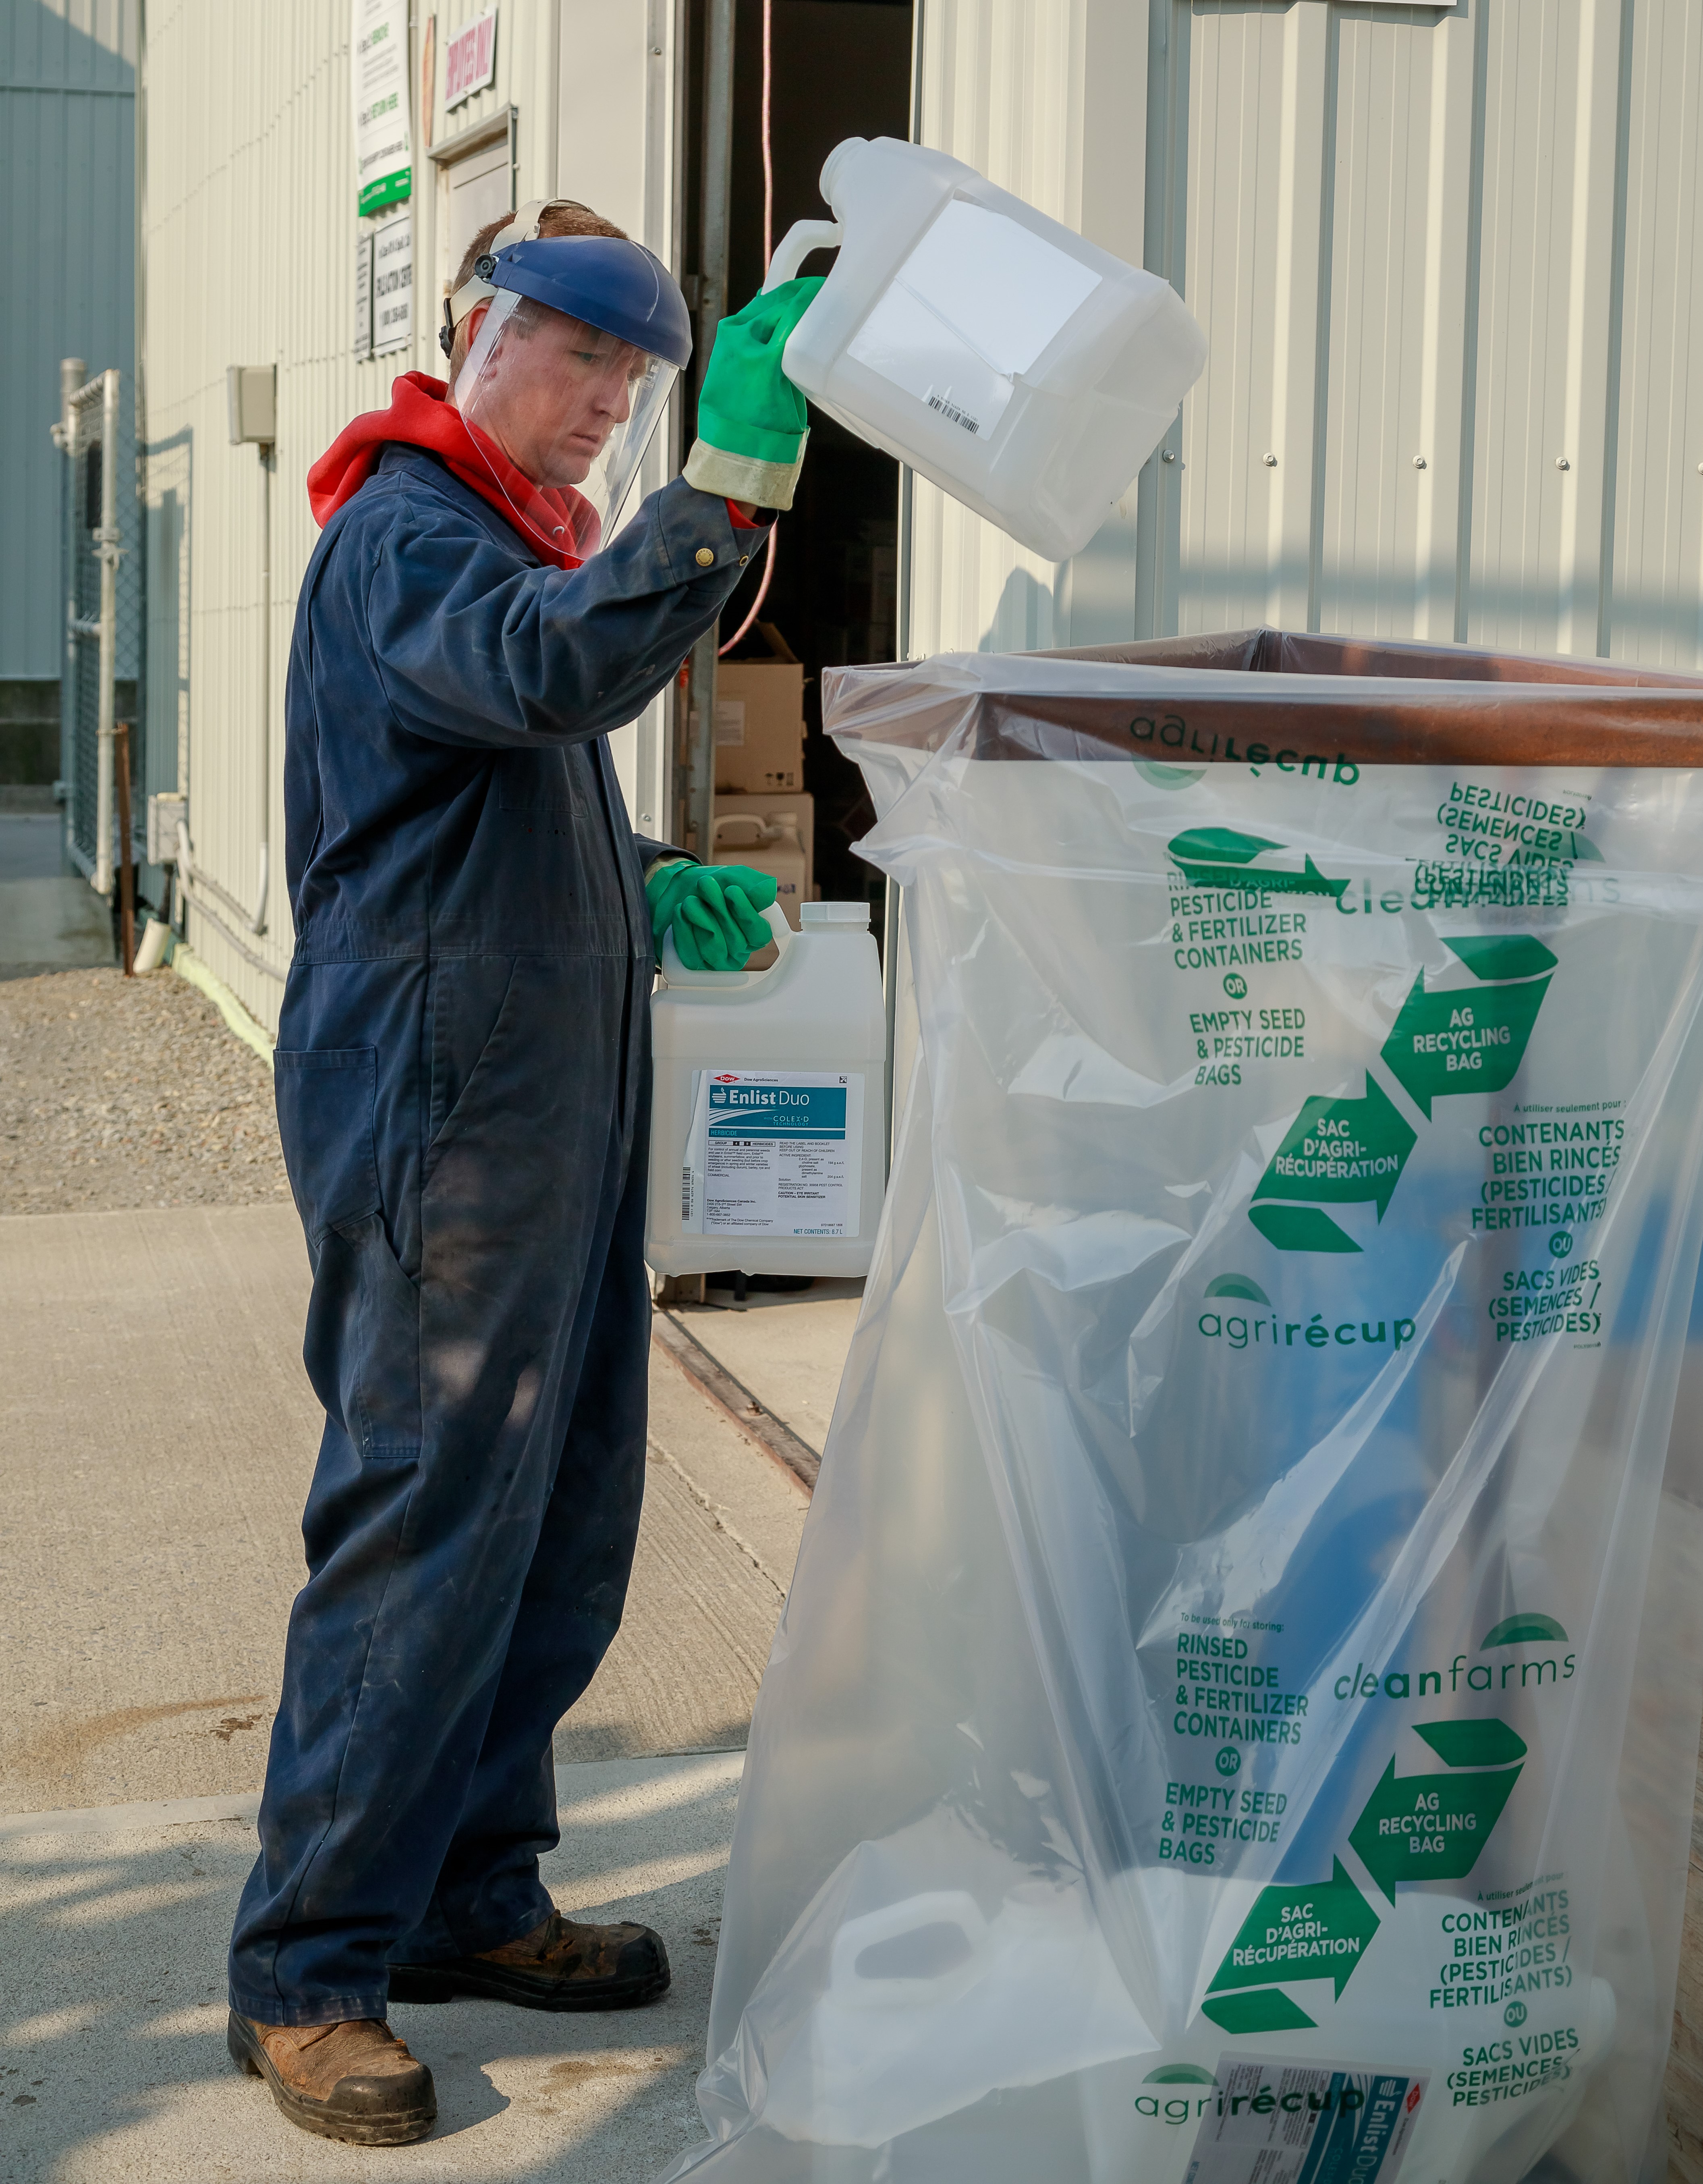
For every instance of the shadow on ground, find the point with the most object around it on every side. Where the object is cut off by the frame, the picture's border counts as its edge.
(117, 2065)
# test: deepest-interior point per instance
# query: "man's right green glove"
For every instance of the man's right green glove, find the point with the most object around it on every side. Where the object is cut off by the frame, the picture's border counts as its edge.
(752, 421)
(715, 911)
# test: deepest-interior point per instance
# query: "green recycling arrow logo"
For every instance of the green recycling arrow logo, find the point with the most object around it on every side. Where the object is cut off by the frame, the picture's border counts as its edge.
(1472, 1041)
(1291, 1934)
(1222, 857)
(1418, 1827)
(1432, 1827)
(1341, 1150)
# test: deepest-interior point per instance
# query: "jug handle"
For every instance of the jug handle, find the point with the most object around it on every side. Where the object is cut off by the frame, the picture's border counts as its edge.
(940, 1907)
(675, 973)
(795, 246)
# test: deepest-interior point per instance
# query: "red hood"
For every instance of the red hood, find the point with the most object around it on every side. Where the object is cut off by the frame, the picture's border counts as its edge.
(553, 523)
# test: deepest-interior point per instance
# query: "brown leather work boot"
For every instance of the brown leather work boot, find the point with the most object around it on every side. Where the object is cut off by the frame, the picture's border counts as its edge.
(557, 1966)
(354, 2081)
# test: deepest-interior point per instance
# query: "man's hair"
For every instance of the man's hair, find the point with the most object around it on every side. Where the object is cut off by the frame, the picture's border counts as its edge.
(564, 217)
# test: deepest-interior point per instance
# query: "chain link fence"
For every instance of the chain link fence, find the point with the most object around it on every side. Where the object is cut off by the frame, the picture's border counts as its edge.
(105, 621)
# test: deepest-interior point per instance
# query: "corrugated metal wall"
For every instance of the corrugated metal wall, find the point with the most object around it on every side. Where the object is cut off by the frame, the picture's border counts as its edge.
(249, 234)
(67, 256)
(619, 107)
(1446, 258)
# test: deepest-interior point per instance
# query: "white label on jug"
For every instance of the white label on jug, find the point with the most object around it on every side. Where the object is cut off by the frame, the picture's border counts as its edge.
(773, 1153)
(1304, 2122)
(976, 303)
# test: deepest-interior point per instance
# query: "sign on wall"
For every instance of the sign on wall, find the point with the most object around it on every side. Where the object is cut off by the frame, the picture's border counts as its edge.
(378, 44)
(362, 345)
(392, 284)
(469, 60)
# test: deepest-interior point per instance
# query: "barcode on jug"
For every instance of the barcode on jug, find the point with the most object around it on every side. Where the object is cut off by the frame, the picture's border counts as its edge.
(686, 1194)
(950, 410)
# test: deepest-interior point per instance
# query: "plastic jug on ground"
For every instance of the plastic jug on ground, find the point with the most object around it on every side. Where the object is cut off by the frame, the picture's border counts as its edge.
(1025, 371)
(768, 1120)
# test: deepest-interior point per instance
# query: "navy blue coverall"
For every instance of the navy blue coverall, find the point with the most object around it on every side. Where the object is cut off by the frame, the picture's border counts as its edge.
(463, 1088)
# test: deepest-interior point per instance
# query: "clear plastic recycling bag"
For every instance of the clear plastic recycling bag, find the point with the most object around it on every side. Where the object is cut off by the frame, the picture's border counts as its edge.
(1236, 1716)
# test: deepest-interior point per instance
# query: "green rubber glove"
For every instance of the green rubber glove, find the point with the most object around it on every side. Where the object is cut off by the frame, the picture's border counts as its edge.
(752, 422)
(715, 911)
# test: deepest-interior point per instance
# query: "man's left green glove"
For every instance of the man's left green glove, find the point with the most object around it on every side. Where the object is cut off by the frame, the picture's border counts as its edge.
(752, 421)
(716, 911)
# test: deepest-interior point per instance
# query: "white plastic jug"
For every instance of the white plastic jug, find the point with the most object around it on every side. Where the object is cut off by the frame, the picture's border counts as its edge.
(767, 1129)
(1028, 372)
(768, 846)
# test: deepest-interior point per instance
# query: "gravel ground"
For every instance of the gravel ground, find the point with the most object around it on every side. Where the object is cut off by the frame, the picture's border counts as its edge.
(118, 1092)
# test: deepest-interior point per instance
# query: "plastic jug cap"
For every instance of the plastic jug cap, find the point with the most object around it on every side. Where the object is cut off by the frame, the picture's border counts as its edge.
(836, 159)
(834, 913)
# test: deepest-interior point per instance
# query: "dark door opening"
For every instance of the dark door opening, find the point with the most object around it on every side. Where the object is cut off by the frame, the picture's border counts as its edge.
(840, 69)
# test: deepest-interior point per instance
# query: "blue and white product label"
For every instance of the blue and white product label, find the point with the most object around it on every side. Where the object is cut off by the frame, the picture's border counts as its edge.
(773, 1152)
(1306, 2123)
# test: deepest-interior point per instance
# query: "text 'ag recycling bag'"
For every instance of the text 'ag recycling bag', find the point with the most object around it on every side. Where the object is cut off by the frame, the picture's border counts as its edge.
(1236, 1715)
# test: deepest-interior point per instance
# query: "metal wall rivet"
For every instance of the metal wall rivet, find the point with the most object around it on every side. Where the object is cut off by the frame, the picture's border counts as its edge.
(1170, 456)
(1419, 462)
(1271, 462)
(1562, 464)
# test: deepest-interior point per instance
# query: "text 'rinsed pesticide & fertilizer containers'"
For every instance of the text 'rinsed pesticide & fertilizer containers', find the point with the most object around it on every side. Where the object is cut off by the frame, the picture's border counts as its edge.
(1235, 1717)
(768, 1118)
(1026, 371)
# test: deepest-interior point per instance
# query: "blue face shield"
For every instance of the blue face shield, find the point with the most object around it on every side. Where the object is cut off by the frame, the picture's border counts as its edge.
(576, 348)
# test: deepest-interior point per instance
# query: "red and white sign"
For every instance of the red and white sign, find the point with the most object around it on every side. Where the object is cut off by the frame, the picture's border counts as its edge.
(470, 61)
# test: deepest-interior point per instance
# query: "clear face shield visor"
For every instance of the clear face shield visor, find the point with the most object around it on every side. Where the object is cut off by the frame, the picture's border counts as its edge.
(561, 413)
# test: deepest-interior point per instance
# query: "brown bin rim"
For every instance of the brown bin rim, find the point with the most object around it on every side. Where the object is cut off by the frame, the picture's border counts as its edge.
(1468, 708)
(1268, 651)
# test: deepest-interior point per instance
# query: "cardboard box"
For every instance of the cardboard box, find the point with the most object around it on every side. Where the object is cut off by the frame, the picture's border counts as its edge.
(760, 726)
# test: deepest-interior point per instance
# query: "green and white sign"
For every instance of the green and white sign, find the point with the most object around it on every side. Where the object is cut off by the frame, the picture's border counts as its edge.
(379, 75)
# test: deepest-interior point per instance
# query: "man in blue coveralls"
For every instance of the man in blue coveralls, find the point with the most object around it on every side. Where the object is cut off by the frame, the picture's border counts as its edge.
(463, 1085)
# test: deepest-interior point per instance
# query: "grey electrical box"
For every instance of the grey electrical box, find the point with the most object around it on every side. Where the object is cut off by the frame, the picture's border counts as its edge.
(251, 396)
(164, 812)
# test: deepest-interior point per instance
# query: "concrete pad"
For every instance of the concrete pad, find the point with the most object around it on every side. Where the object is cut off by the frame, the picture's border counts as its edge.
(156, 1435)
(156, 1438)
(683, 1671)
(759, 1505)
(789, 1348)
(31, 845)
(58, 924)
(113, 2067)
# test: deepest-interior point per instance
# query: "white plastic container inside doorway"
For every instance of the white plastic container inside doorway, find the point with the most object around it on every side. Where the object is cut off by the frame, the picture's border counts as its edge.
(1028, 372)
(768, 846)
(767, 1126)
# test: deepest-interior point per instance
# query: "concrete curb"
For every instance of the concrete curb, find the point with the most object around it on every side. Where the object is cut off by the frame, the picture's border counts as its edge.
(188, 965)
(573, 1779)
(121, 1819)
(713, 1381)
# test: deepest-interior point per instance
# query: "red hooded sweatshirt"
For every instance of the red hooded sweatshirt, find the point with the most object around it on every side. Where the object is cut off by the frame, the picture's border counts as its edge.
(420, 415)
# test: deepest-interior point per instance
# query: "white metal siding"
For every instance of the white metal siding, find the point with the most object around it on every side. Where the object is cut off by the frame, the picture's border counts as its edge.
(67, 259)
(1656, 613)
(1001, 89)
(1467, 235)
(249, 230)
(619, 123)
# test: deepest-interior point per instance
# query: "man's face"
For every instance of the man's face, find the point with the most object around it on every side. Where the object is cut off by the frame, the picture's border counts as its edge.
(551, 393)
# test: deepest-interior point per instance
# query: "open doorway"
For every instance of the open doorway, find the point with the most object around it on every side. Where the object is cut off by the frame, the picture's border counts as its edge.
(839, 68)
